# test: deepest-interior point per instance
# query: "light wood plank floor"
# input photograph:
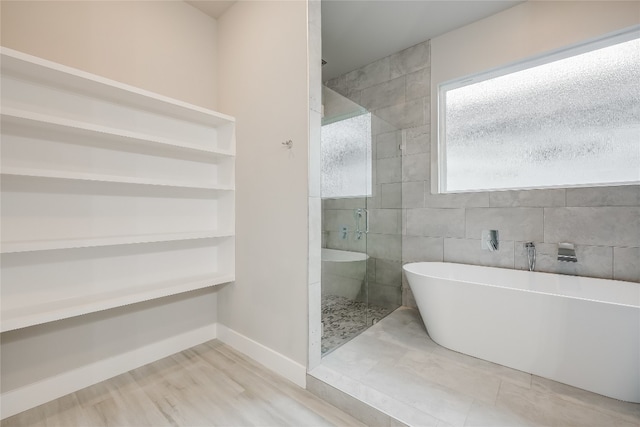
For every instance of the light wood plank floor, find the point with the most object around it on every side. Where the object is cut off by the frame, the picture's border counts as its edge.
(207, 385)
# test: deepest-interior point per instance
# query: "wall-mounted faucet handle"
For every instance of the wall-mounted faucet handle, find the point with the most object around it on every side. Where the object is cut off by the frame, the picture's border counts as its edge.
(490, 240)
(343, 232)
(567, 252)
(531, 255)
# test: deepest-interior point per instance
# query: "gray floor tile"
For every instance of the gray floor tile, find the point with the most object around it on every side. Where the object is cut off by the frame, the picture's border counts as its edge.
(417, 382)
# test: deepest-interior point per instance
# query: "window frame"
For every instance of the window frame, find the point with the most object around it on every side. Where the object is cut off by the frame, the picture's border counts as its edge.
(575, 49)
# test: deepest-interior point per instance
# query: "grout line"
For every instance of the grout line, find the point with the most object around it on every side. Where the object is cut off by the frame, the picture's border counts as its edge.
(544, 212)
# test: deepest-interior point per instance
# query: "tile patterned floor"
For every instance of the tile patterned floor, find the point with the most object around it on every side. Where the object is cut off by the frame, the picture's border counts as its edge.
(395, 367)
(343, 319)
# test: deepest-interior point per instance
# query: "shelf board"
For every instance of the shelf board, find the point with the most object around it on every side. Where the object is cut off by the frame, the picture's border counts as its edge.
(89, 130)
(15, 63)
(46, 245)
(22, 317)
(81, 176)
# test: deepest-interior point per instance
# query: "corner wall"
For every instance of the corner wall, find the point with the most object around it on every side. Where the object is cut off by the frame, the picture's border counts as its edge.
(165, 47)
(603, 222)
(263, 70)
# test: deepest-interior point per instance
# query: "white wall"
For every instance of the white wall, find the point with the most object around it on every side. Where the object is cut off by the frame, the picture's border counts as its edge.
(520, 32)
(43, 362)
(263, 67)
(166, 47)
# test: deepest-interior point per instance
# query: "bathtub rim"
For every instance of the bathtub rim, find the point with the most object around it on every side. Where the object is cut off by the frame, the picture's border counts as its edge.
(361, 256)
(631, 289)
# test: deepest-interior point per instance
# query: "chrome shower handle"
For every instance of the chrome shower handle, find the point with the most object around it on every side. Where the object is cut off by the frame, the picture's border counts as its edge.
(366, 218)
(358, 214)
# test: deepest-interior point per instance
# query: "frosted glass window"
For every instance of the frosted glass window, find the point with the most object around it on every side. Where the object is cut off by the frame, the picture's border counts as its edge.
(346, 157)
(572, 121)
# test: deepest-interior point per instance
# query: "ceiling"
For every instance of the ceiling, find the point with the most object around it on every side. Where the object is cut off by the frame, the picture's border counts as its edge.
(358, 32)
(213, 8)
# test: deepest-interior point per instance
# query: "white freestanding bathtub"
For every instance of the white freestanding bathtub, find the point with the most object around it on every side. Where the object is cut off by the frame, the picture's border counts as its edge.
(580, 331)
(343, 272)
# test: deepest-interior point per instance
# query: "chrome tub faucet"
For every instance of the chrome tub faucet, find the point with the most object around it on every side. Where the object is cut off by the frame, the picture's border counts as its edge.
(567, 252)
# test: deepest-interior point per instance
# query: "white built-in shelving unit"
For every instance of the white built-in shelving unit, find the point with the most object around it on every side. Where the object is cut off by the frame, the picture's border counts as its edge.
(111, 195)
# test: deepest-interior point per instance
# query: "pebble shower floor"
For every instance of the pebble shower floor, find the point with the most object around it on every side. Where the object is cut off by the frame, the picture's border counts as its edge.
(343, 319)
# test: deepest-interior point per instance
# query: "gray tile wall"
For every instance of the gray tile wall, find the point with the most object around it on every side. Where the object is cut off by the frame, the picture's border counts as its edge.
(603, 222)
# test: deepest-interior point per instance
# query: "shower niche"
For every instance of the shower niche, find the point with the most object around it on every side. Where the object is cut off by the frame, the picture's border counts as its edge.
(361, 219)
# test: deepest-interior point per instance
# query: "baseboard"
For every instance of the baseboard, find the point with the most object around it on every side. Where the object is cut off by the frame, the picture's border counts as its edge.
(282, 365)
(32, 395)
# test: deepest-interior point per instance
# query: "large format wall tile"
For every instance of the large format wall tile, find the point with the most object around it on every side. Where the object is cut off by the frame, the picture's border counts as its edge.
(511, 223)
(419, 248)
(371, 269)
(469, 251)
(342, 85)
(335, 241)
(374, 202)
(385, 295)
(626, 264)
(408, 300)
(385, 221)
(385, 246)
(435, 222)
(335, 219)
(593, 261)
(369, 75)
(384, 94)
(413, 194)
(528, 198)
(415, 167)
(344, 203)
(418, 84)
(379, 126)
(627, 195)
(605, 226)
(455, 200)
(406, 115)
(389, 272)
(417, 140)
(409, 60)
(388, 170)
(388, 144)
(390, 195)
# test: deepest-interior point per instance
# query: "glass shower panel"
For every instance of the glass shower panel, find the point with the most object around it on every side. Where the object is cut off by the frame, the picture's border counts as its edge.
(359, 284)
(346, 184)
(384, 237)
(346, 158)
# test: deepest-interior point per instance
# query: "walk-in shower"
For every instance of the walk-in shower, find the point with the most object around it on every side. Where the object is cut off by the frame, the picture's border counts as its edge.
(361, 219)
